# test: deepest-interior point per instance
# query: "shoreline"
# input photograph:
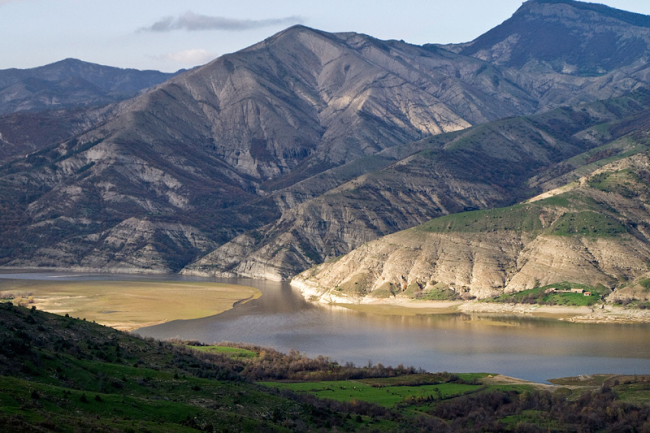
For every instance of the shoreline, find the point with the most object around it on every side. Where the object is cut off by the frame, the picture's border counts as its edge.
(408, 307)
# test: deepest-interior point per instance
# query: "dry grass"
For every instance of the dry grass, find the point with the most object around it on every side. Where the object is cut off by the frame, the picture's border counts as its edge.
(129, 305)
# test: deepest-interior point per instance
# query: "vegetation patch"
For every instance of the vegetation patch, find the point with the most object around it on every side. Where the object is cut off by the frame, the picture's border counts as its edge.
(624, 182)
(439, 292)
(384, 291)
(387, 396)
(354, 286)
(519, 218)
(233, 352)
(586, 223)
(645, 283)
(565, 293)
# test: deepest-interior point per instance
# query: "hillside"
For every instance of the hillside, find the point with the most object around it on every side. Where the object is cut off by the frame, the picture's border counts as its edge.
(63, 374)
(594, 232)
(259, 143)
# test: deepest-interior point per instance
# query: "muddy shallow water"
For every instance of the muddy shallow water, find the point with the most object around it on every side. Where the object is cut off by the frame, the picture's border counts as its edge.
(528, 348)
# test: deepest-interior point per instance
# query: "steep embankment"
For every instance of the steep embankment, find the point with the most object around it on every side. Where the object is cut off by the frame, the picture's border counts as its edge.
(593, 232)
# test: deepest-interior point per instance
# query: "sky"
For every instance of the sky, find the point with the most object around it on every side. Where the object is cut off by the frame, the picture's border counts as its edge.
(168, 35)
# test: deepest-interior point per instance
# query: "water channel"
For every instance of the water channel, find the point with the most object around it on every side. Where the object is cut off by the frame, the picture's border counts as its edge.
(527, 348)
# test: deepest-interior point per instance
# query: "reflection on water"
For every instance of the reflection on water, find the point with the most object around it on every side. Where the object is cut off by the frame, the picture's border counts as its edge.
(529, 348)
(534, 349)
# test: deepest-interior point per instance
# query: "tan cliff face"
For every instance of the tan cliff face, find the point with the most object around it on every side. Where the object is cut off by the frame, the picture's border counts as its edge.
(595, 234)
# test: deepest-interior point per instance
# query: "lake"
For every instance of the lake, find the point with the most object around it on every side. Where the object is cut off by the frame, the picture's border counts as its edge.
(527, 348)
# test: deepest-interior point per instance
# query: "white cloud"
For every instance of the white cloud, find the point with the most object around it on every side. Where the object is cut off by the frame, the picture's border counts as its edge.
(193, 22)
(191, 57)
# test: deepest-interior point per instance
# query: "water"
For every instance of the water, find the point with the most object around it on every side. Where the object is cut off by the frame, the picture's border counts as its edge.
(528, 348)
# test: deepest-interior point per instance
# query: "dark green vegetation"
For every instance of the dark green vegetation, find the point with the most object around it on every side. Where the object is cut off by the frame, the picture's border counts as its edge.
(475, 402)
(385, 392)
(64, 374)
(586, 223)
(519, 218)
(568, 214)
(562, 295)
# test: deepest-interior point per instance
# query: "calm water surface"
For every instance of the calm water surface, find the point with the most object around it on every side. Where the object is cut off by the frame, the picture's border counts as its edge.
(533, 349)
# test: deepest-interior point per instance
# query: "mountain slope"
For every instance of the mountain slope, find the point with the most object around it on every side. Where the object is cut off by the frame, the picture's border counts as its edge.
(199, 149)
(595, 232)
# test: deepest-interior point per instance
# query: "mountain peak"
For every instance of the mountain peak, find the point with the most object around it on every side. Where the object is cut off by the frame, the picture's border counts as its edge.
(631, 18)
(567, 36)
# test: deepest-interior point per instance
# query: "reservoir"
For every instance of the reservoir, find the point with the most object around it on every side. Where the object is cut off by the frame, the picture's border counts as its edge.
(527, 348)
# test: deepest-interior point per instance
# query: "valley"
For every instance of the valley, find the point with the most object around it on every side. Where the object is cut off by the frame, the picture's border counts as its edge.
(67, 374)
(328, 231)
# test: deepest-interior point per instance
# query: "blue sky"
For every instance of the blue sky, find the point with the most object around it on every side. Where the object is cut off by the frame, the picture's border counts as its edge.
(171, 34)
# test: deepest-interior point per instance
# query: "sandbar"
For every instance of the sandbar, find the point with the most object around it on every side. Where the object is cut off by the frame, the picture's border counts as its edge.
(128, 305)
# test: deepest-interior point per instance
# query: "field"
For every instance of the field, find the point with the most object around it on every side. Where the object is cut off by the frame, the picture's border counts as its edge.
(366, 390)
(540, 295)
(127, 305)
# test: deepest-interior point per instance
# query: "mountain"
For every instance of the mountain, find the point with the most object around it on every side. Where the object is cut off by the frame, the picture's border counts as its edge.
(490, 165)
(594, 231)
(71, 83)
(250, 139)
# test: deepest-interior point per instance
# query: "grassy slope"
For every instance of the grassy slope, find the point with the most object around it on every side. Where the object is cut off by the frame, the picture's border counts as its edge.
(73, 375)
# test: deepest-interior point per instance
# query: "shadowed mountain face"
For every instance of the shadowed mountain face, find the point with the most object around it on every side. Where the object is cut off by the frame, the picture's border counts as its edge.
(43, 106)
(565, 36)
(255, 139)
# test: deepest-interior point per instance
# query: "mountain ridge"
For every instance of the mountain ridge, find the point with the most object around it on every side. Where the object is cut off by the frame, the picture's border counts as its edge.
(248, 140)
